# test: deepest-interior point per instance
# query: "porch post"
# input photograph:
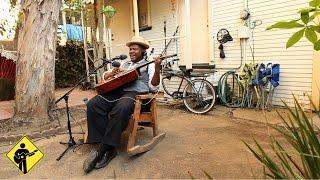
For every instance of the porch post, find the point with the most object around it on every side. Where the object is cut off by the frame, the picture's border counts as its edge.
(85, 48)
(135, 18)
(64, 21)
(211, 37)
(188, 45)
(106, 36)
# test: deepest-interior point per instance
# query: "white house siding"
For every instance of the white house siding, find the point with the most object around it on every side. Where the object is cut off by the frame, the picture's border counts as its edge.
(295, 63)
(161, 10)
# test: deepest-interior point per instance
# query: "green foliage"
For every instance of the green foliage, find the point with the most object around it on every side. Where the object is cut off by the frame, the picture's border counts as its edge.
(69, 65)
(248, 74)
(74, 7)
(295, 38)
(286, 25)
(308, 22)
(109, 11)
(302, 158)
(311, 35)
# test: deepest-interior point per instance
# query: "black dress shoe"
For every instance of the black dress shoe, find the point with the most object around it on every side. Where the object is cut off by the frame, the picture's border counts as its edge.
(91, 161)
(107, 157)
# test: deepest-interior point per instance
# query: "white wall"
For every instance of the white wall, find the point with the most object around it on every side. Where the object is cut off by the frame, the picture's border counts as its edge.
(295, 63)
(121, 27)
(161, 11)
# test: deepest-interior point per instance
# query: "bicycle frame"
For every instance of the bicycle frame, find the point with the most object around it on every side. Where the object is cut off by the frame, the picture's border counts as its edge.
(180, 90)
(190, 89)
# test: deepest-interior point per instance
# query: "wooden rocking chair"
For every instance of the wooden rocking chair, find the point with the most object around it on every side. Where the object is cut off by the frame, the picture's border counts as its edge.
(141, 118)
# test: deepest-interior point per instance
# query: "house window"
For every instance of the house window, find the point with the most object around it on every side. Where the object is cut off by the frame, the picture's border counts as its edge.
(144, 15)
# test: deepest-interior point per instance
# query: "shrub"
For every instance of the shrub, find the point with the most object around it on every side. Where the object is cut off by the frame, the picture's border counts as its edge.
(70, 65)
(304, 143)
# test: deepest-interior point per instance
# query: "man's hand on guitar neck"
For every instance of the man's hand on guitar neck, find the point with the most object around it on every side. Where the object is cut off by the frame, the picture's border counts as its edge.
(156, 76)
(157, 63)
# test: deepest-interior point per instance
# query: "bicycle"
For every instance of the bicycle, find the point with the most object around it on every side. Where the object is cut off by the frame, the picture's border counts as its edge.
(198, 94)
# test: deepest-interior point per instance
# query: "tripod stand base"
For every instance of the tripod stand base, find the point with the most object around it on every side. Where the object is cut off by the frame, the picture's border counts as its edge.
(70, 144)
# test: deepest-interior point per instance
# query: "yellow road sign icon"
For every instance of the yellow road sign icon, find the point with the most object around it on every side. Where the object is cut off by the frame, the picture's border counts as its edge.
(25, 155)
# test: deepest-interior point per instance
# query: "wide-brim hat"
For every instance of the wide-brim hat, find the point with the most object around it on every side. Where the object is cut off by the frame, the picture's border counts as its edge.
(138, 40)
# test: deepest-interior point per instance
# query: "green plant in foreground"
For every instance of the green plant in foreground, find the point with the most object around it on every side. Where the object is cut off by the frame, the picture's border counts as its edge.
(302, 159)
(309, 24)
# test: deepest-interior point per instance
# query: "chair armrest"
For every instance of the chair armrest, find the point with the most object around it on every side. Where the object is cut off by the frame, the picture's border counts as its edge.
(146, 96)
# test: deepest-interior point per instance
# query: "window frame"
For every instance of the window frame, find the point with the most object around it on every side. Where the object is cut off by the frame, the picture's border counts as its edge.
(147, 26)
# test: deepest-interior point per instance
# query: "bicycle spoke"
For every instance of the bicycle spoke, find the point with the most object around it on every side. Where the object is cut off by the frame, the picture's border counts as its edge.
(202, 102)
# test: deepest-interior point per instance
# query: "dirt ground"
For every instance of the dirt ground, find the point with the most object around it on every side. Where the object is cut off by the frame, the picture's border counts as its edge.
(193, 144)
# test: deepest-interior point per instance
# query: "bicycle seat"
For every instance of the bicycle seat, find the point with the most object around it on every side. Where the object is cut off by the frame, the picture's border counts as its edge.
(187, 71)
(199, 75)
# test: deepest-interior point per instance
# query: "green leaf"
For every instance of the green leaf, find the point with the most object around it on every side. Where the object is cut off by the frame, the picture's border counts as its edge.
(317, 45)
(307, 10)
(315, 28)
(314, 3)
(314, 15)
(305, 17)
(285, 25)
(311, 35)
(295, 38)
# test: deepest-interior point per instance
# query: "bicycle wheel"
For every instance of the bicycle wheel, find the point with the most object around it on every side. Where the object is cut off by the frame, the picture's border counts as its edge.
(199, 96)
(170, 83)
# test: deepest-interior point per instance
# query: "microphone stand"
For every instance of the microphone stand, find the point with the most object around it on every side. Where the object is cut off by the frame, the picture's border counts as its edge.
(71, 141)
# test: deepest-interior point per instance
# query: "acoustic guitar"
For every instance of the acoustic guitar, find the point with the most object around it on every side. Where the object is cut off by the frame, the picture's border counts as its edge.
(123, 78)
(23, 156)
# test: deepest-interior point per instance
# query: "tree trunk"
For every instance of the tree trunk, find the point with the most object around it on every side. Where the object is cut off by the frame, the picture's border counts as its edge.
(36, 61)
(98, 44)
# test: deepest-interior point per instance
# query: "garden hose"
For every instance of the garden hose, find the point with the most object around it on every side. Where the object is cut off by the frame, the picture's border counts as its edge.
(226, 93)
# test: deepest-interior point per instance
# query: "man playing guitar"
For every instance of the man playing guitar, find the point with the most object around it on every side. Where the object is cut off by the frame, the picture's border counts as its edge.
(20, 157)
(108, 114)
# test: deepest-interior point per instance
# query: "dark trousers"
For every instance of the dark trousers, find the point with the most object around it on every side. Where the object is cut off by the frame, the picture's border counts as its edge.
(106, 120)
(23, 166)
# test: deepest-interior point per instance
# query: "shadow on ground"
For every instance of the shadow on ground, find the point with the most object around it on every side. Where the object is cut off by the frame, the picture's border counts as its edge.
(193, 144)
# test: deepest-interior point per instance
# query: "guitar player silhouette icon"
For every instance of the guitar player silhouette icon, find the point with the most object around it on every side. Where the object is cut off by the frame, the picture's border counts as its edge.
(20, 157)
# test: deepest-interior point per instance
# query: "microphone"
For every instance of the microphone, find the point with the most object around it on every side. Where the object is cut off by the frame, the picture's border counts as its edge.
(121, 57)
(115, 64)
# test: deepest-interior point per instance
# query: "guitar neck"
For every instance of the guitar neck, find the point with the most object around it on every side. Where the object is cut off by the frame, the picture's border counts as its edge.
(32, 153)
(163, 57)
(146, 64)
